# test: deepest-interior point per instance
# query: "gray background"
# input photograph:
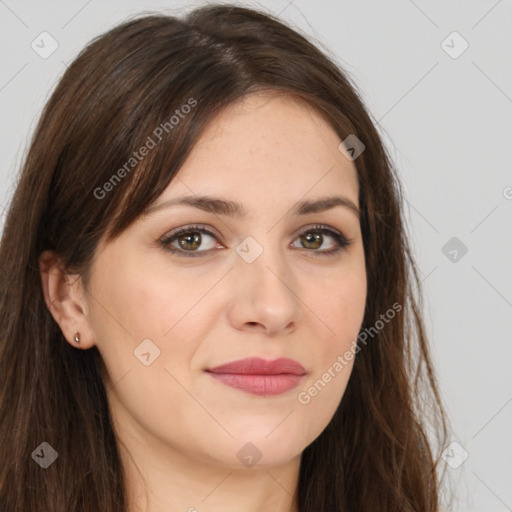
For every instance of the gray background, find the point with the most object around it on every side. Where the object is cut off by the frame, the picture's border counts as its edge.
(447, 122)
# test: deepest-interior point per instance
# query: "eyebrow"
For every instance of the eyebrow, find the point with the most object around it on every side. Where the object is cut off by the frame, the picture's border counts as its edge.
(235, 209)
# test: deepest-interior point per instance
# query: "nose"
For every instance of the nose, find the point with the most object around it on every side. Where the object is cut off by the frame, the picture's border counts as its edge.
(264, 297)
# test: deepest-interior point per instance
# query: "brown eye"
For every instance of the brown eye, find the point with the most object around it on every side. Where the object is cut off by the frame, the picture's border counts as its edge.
(313, 239)
(187, 241)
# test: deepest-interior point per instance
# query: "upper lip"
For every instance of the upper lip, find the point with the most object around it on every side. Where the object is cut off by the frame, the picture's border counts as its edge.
(260, 366)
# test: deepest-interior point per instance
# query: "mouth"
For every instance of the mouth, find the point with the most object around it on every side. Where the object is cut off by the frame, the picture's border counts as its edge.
(260, 377)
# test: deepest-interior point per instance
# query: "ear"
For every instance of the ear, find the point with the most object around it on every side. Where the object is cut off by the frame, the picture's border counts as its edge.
(65, 298)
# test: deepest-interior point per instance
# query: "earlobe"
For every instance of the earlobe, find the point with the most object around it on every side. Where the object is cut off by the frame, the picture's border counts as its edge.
(64, 299)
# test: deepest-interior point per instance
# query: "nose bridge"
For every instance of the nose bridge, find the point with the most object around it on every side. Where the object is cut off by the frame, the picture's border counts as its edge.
(266, 262)
(265, 282)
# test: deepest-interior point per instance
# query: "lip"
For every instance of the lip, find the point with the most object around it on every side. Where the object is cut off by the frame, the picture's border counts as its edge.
(260, 377)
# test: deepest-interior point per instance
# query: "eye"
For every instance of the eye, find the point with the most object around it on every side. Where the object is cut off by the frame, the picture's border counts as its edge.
(187, 240)
(313, 238)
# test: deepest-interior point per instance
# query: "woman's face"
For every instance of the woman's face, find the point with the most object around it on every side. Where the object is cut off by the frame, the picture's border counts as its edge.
(261, 284)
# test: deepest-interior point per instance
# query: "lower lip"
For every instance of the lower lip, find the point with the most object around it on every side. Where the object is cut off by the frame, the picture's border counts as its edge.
(262, 385)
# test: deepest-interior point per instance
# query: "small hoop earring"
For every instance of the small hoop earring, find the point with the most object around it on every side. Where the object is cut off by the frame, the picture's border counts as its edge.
(77, 338)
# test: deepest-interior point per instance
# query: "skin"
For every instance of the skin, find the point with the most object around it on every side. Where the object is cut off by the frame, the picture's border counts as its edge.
(175, 424)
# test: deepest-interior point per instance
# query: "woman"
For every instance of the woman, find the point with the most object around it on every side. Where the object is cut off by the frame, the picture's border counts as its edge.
(207, 300)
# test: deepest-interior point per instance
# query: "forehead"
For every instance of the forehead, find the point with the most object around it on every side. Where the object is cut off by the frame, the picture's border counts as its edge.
(268, 142)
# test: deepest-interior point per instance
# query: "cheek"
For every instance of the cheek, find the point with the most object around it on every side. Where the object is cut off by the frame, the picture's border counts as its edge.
(147, 380)
(340, 303)
(133, 305)
(146, 301)
(341, 308)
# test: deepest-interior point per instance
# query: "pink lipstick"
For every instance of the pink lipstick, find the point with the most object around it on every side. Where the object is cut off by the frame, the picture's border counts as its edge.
(259, 376)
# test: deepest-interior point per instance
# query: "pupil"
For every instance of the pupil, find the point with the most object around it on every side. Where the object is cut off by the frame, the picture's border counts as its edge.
(315, 239)
(191, 239)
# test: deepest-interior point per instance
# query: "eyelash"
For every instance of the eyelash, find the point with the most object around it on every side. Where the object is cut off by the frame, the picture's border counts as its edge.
(165, 242)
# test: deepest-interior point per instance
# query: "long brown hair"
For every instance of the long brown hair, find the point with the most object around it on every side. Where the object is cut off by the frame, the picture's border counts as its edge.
(375, 454)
